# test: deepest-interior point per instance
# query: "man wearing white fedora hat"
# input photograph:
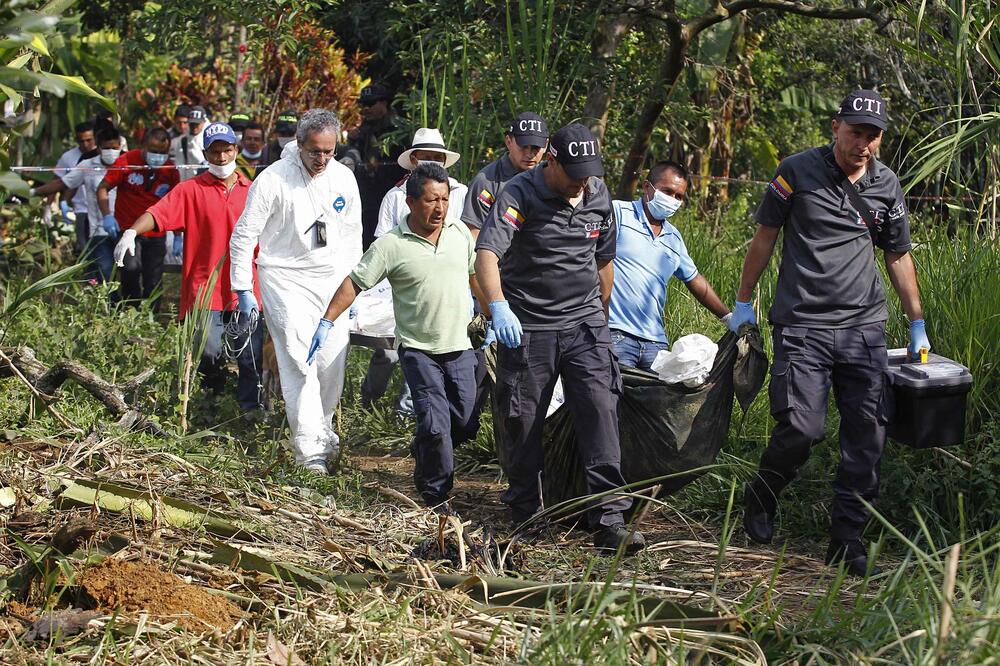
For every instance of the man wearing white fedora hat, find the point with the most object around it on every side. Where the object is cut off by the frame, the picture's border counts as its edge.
(427, 146)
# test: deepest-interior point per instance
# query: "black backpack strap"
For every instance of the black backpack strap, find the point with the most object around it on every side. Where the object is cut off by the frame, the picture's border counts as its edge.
(859, 205)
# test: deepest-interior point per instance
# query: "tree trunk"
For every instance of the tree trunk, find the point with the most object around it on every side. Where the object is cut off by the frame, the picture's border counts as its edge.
(608, 36)
(670, 69)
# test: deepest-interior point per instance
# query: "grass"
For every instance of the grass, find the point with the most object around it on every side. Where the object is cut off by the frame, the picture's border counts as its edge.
(936, 530)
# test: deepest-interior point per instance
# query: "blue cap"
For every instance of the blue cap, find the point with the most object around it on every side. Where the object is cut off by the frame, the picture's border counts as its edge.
(218, 132)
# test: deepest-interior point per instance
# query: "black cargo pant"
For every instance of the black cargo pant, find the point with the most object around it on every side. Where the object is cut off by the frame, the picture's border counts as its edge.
(592, 385)
(143, 272)
(807, 361)
(444, 393)
(81, 227)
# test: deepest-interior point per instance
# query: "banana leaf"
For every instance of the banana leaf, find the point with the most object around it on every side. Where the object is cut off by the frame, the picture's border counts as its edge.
(118, 498)
(492, 591)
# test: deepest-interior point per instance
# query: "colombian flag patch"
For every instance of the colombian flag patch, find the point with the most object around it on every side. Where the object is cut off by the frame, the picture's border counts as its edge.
(485, 198)
(781, 187)
(513, 217)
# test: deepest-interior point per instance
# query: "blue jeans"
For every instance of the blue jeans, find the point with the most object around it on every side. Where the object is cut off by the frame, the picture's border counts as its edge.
(213, 363)
(635, 352)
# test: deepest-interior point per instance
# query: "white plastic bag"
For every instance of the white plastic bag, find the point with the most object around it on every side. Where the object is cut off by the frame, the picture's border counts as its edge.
(557, 399)
(374, 312)
(688, 362)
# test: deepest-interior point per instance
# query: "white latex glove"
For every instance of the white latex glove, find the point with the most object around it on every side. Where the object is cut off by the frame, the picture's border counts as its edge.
(125, 245)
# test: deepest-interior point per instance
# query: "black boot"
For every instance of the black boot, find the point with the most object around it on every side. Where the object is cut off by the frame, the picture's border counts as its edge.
(758, 520)
(439, 504)
(854, 556)
(611, 538)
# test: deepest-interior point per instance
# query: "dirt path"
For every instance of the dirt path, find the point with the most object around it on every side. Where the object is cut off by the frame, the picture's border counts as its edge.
(681, 553)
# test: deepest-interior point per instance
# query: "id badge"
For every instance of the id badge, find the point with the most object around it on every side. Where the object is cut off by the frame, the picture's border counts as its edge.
(320, 230)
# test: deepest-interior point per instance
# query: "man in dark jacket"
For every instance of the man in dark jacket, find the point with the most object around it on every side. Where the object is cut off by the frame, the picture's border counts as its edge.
(375, 166)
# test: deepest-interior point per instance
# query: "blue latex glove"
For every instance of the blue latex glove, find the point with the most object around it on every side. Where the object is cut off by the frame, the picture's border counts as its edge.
(64, 209)
(505, 324)
(918, 339)
(352, 313)
(743, 314)
(491, 336)
(110, 225)
(178, 245)
(247, 302)
(319, 337)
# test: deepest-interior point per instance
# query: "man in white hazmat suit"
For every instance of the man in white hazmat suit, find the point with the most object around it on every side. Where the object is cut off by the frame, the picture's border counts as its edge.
(304, 211)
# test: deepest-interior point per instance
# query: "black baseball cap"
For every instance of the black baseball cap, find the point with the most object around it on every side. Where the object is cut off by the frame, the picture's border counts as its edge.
(239, 121)
(197, 115)
(287, 121)
(576, 149)
(376, 92)
(865, 107)
(529, 129)
(183, 111)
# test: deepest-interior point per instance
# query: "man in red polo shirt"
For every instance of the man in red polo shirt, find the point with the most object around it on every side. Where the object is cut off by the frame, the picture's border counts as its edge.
(205, 208)
(140, 177)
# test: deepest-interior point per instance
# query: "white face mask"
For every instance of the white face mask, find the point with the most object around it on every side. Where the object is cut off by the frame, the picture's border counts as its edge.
(440, 164)
(285, 140)
(109, 155)
(222, 172)
(662, 206)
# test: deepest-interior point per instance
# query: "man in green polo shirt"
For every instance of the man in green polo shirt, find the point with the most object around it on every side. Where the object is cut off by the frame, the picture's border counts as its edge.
(429, 259)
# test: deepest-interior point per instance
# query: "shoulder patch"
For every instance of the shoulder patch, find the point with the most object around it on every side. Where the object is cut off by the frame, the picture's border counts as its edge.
(339, 203)
(513, 217)
(781, 187)
(485, 198)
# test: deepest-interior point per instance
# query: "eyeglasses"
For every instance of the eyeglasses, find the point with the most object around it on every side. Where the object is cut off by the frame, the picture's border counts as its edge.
(316, 154)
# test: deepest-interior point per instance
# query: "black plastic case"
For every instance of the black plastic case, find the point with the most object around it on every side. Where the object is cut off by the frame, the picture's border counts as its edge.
(930, 400)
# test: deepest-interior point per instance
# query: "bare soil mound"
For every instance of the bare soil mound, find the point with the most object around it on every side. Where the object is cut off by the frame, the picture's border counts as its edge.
(143, 586)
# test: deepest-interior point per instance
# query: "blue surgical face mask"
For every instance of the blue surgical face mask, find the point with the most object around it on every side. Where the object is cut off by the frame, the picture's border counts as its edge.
(156, 159)
(252, 156)
(662, 206)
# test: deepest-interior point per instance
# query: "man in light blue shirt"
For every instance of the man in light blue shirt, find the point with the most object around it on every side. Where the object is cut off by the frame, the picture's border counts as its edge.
(650, 251)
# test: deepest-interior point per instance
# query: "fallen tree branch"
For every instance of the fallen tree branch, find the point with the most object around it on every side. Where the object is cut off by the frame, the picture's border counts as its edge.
(56, 414)
(44, 382)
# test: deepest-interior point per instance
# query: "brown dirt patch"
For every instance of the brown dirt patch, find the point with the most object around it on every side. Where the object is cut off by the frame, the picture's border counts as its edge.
(17, 609)
(143, 586)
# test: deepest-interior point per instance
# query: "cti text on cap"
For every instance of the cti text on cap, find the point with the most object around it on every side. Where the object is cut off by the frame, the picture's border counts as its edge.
(529, 129)
(576, 149)
(865, 107)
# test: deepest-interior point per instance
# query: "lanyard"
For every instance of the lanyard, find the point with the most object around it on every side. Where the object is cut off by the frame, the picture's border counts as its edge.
(312, 200)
